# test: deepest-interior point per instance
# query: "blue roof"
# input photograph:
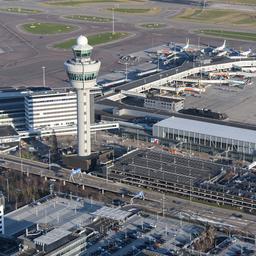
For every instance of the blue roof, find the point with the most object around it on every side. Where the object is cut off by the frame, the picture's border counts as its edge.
(212, 129)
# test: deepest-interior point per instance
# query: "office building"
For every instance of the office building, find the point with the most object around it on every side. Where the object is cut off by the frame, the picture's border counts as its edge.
(12, 107)
(51, 110)
(12, 111)
(164, 103)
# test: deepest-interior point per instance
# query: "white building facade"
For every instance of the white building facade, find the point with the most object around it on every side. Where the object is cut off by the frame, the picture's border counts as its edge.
(2, 213)
(164, 103)
(50, 110)
(206, 134)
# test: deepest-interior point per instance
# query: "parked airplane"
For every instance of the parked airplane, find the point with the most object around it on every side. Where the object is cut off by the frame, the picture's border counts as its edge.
(220, 48)
(222, 53)
(246, 53)
(239, 55)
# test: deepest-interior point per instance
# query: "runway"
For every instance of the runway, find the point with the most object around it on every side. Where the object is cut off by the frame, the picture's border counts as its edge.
(23, 55)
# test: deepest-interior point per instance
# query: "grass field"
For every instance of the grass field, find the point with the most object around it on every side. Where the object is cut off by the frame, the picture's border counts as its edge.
(130, 10)
(48, 28)
(96, 39)
(253, 2)
(229, 34)
(88, 18)
(219, 16)
(80, 2)
(20, 10)
(153, 25)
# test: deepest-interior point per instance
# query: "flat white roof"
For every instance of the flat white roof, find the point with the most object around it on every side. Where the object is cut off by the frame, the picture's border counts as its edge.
(212, 129)
(112, 213)
(52, 236)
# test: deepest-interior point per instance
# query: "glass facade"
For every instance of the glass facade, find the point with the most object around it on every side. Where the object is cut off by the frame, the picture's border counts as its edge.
(82, 54)
(82, 77)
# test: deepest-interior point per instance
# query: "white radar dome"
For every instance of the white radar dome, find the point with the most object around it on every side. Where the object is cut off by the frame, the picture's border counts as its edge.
(82, 40)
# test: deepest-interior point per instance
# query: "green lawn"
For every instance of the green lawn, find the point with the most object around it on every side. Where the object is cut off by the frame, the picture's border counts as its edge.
(78, 2)
(236, 1)
(219, 16)
(153, 25)
(130, 10)
(100, 38)
(48, 28)
(229, 34)
(88, 18)
(20, 10)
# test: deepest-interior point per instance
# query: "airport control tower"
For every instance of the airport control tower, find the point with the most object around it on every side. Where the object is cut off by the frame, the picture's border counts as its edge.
(82, 73)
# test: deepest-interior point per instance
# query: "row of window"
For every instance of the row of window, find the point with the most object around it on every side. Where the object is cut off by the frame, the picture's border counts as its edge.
(35, 122)
(82, 54)
(82, 77)
(202, 138)
(47, 100)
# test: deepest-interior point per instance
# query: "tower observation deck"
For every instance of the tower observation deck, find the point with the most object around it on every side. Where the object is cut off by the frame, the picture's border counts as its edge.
(82, 73)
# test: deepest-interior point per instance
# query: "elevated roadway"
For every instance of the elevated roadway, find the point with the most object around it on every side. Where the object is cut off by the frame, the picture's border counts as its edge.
(180, 72)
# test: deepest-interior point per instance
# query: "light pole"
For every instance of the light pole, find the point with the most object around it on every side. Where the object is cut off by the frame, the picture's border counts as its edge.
(113, 20)
(43, 68)
(126, 71)
(158, 64)
(49, 160)
(8, 190)
(21, 162)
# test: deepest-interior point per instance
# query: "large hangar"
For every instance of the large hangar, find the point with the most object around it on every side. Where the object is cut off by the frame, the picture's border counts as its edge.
(207, 135)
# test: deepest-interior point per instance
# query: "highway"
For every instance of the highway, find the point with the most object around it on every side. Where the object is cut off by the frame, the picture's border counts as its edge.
(153, 199)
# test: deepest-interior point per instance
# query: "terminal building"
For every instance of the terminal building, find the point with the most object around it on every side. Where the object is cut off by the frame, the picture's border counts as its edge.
(12, 110)
(208, 136)
(164, 103)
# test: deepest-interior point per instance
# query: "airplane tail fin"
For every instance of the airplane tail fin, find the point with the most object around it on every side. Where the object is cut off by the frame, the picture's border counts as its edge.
(187, 44)
(224, 44)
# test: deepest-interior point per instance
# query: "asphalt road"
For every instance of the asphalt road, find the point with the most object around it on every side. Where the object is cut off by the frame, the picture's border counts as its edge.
(25, 54)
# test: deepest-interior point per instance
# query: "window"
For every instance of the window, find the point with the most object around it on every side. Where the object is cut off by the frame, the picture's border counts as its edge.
(82, 77)
(82, 54)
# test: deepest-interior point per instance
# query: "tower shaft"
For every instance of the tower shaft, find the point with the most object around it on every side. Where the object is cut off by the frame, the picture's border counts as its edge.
(84, 122)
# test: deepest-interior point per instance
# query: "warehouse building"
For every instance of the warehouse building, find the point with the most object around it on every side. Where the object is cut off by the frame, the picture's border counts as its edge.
(206, 136)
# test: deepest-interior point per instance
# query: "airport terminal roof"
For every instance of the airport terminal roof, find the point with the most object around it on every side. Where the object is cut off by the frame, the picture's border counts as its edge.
(207, 128)
(112, 213)
(52, 236)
